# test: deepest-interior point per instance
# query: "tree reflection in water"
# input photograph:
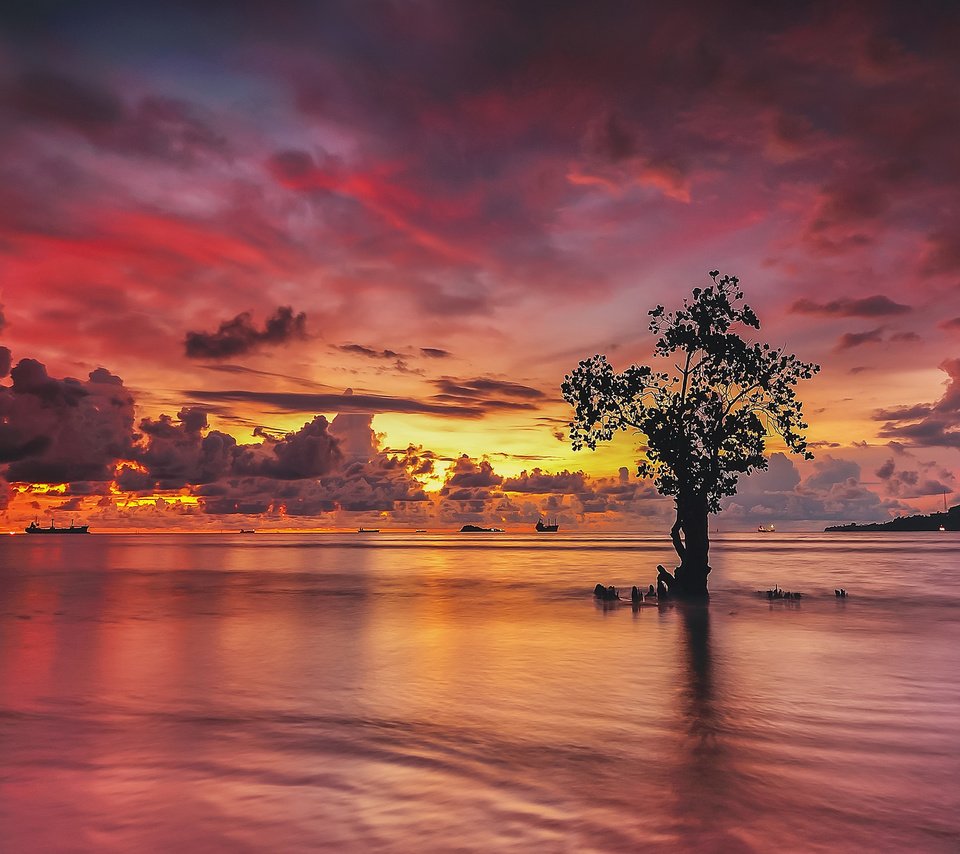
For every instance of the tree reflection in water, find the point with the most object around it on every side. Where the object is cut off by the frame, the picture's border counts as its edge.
(706, 773)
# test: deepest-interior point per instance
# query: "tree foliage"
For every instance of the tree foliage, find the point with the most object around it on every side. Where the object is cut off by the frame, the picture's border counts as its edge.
(706, 418)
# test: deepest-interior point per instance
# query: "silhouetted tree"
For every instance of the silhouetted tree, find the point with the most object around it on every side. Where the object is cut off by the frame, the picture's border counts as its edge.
(705, 422)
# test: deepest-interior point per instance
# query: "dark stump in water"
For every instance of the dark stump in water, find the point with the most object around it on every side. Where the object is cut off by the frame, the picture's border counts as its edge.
(607, 594)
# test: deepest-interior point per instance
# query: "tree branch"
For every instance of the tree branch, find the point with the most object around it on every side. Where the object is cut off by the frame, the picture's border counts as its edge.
(742, 392)
(686, 376)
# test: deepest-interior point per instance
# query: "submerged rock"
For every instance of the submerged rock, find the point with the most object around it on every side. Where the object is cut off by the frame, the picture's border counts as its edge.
(777, 593)
(607, 594)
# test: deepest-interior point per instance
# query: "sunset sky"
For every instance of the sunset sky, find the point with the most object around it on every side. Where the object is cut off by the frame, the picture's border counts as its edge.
(226, 220)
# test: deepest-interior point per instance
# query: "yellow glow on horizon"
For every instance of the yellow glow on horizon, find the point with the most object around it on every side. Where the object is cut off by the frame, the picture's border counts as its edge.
(153, 499)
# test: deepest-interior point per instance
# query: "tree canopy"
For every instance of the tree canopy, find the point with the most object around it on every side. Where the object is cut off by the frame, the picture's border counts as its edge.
(706, 416)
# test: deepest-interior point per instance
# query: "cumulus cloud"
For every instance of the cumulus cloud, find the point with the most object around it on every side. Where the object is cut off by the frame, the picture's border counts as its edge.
(62, 430)
(182, 452)
(829, 471)
(886, 470)
(474, 492)
(383, 483)
(467, 473)
(175, 453)
(928, 424)
(354, 434)
(831, 492)
(418, 460)
(308, 453)
(622, 497)
(238, 336)
(908, 483)
(321, 469)
(538, 481)
(379, 485)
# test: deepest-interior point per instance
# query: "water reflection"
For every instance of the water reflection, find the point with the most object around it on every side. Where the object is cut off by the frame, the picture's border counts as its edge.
(706, 776)
(700, 709)
(292, 694)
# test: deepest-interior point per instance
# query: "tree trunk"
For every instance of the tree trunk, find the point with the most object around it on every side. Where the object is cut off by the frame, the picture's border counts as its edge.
(675, 534)
(690, 580)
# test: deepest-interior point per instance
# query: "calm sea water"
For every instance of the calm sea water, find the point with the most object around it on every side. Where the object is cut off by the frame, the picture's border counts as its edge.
(437, 693)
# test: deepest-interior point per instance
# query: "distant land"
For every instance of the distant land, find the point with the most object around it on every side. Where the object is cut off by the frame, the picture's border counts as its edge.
(950, 520)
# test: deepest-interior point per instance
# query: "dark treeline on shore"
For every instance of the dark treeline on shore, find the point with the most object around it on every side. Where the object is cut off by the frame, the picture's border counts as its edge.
(948, 521)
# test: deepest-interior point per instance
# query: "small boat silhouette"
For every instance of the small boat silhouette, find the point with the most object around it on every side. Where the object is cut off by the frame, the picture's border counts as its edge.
(368, 530)
(764, 530)
(547, 528)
